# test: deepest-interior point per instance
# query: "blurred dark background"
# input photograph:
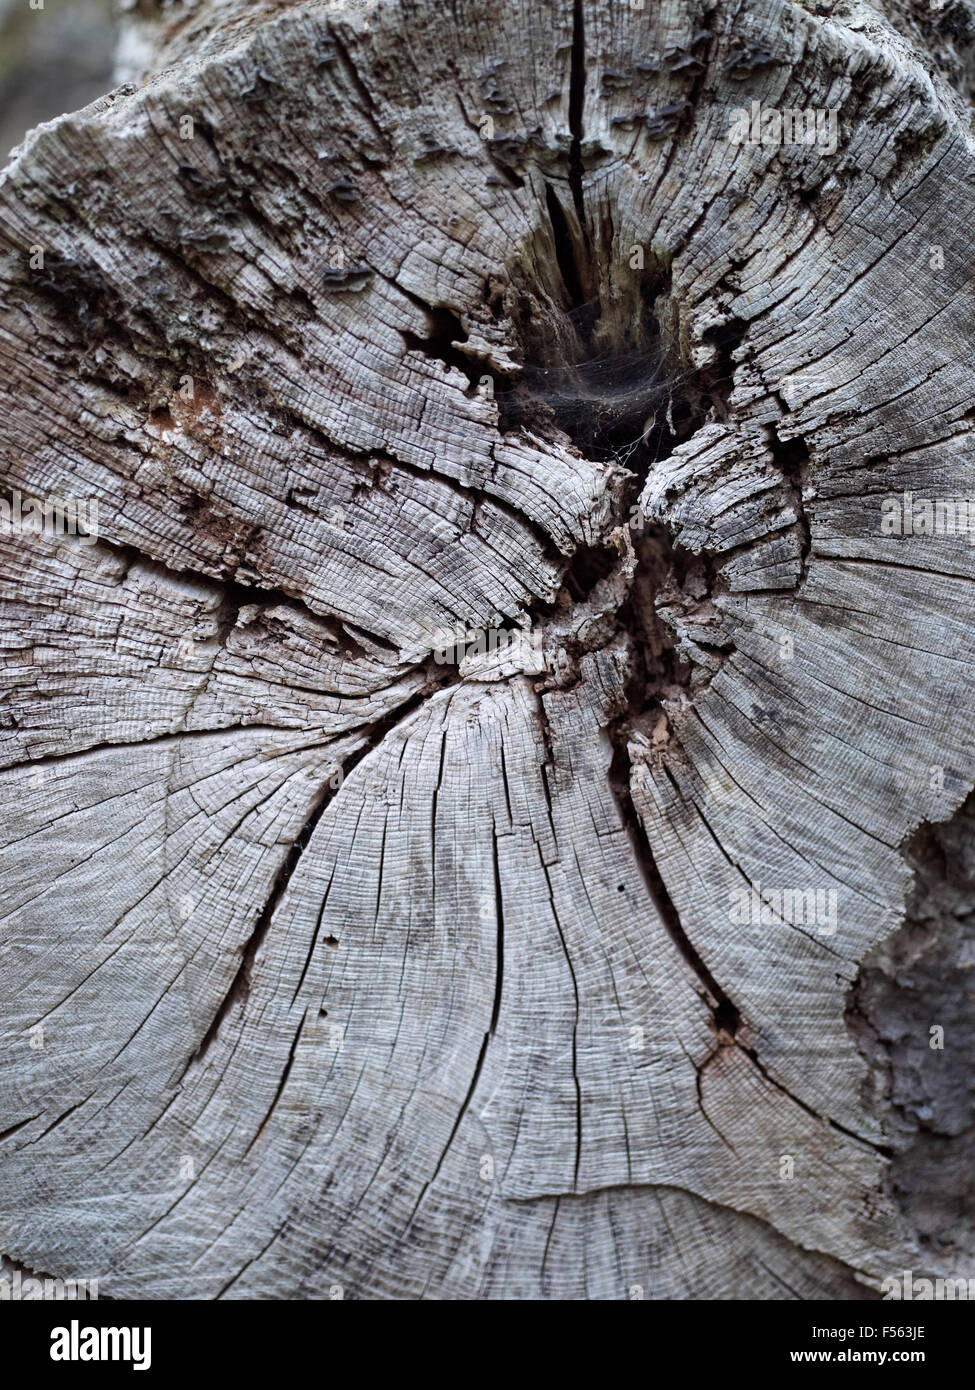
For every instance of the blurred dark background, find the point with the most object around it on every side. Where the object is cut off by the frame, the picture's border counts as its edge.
(51, 61)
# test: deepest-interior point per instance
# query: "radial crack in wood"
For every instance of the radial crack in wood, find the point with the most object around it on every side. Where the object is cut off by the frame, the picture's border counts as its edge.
(462, 789)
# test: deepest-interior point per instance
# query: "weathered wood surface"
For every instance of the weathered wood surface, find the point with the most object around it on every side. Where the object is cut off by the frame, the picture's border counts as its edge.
(357, 970)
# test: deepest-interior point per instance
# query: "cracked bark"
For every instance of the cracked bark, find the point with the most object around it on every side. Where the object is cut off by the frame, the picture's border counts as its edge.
(354, 967)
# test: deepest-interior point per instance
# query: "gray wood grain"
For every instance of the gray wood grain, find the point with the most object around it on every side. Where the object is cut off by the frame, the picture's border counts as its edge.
(358, 971)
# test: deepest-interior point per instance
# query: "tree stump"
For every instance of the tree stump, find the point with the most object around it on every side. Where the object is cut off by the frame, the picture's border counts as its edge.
(456, 781)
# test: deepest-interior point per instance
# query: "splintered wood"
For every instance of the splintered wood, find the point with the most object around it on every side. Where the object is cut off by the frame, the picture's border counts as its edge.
(461, 726)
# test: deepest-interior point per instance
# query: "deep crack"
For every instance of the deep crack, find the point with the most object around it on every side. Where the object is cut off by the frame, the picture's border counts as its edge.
(724, 1011)
(240, 985)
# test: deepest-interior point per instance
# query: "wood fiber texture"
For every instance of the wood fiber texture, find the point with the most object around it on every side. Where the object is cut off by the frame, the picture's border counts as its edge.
(333, 968)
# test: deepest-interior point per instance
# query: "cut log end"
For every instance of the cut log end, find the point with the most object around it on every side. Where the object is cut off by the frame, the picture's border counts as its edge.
(482, 758)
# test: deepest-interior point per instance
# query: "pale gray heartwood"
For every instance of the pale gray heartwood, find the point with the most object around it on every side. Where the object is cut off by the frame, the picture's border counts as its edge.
(471, 1017)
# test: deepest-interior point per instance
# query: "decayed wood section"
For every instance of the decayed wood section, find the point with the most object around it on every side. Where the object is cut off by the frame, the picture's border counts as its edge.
(332, 967)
